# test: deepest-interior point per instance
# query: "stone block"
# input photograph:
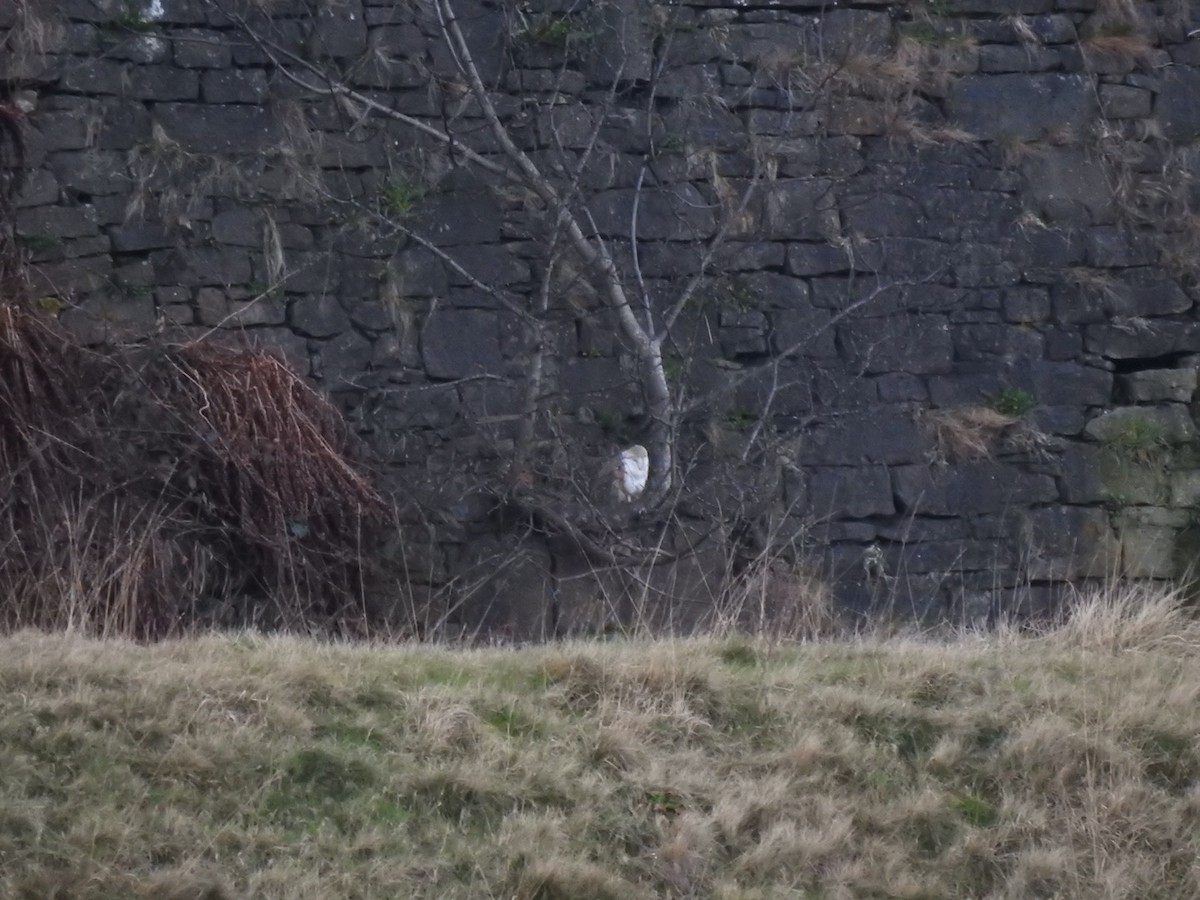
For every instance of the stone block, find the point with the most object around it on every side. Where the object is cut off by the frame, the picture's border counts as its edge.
(1011, 58)
(857, 117)
(319, 316)
(818, 259)
(94, 76)
(883, 215)
(1140, 293)
(460, 343)
(66, 130)
(902, 388)
(1142, 428)
(1158, 516)
(240, 86)
(974, 487)
(1063, 344)
(1026, 305)
(163, 83)
(235, 130)
(1066, 188)
(217, 308)
(988, 341)
(802, 209)
(216, 266)
(844, 31)
(1069, 384)
(98, 173)
(1185, 490)
(1148, 551)
(1023, 107)
(1067, 421)
(179, 12)
(913, 344)
(677, 212)
(372, 315)
(466, 215)
(1111, 246)
(57, 222)
(309, 272)
(340, 31)
(403, 41)
(1079, 474)
(197, 49)
(1063, 543)
(71, 277)
(970, 388)
(804, 332)
(494, 264)
(1157, 385)
(877, 436)
(854, 493)
(595, 382)
(741, 342)
(126, 125)
(419, 273)
(395, 350)
(1048, 248)
(1178, 106)
(1124, 480)
(945, 557)
(1120, 101)
(1141, 340)
(1056, 28)
(342, 359)
(39, 188)
(705, 127)
(239, 227)
(144, 49)
(742, 256)
(111, 317)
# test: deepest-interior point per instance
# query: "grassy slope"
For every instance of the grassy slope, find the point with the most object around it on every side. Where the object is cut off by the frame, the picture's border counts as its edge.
(1063, 766)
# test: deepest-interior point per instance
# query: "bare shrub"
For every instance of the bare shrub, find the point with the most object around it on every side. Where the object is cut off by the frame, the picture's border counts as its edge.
(147, 488)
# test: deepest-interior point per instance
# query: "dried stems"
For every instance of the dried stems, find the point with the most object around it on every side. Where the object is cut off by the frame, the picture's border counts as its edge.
(144, 489)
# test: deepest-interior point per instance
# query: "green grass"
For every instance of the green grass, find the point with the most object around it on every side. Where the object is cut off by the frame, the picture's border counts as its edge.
(1014, 401)
(1063, 765)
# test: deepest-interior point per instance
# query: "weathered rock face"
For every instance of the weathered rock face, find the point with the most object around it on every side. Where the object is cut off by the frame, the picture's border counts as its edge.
(990, 206)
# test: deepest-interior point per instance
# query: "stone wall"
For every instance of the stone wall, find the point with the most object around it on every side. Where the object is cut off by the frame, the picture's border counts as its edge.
(961, 302)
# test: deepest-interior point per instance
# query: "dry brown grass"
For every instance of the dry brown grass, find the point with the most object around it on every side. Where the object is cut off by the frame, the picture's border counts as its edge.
(141, 486)
(967, 432)
(1127, 46)
(1064, 764)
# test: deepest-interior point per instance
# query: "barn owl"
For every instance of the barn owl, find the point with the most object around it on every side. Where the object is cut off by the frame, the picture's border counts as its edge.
(633, 469)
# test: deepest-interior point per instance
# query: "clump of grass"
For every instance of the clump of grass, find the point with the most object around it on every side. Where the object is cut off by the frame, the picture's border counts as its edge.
(1014, 401)
(400, 198)
(555, 30)
(968, 432)
(1128, 616)
(1055, 764)
(1139, 438)
(144, 486)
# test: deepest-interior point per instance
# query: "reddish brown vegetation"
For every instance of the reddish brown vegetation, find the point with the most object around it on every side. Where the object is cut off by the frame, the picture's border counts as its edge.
(145, 489)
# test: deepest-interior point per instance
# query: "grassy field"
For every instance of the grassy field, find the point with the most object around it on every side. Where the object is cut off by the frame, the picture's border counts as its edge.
(1059, 765)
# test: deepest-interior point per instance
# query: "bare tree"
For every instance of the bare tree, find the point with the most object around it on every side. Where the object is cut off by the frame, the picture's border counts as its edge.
(575, 249)
(591, 257)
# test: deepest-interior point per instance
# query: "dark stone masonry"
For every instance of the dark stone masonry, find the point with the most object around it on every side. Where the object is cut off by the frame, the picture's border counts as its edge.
(961, 301)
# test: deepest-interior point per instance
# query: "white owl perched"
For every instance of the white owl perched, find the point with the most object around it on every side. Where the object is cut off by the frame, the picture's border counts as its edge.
(633, 469)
